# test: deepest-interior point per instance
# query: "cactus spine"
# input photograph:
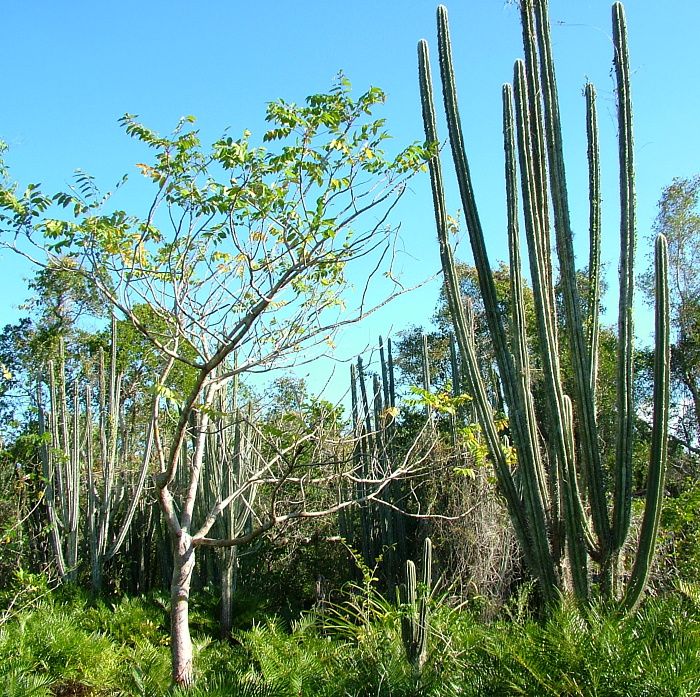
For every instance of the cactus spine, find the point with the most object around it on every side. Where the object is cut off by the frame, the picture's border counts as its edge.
(547, 506)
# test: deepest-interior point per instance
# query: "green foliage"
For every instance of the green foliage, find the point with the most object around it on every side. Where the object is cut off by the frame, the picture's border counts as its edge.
(130, 620)
(140, 362)
(441, 402)
(21, 678)
(22, 529)
(53, 640)
(296, 662)
(596, 652)
(64, 644)
(681, 524)
(679, 220)
(21, 591)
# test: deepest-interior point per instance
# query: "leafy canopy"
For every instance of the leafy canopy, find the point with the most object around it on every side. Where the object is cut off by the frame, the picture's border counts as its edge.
(241, 246)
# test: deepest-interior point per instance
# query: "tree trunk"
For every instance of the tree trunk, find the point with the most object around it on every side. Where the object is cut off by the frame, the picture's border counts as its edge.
(180, 641)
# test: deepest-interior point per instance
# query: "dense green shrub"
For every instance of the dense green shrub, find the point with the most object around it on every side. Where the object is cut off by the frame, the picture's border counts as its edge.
(51, 643)
(68, 646)
(681, 524)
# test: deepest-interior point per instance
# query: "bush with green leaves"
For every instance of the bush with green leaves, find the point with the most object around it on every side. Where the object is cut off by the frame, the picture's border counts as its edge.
(680, 523)
(50, 643)
(598, 651)
(355, 650)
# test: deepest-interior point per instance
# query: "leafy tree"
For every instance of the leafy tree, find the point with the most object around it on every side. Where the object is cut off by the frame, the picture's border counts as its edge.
(679, 219)
(242, 255)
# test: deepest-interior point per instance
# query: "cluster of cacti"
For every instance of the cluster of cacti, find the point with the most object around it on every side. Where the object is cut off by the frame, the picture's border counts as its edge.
(61, 469)
(232, 455)
(85, 455)
(560, 526)
(415, 625)
(382, 528)
(89, 456)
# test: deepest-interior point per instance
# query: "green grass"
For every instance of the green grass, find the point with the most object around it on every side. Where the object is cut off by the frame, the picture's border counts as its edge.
(70, 646)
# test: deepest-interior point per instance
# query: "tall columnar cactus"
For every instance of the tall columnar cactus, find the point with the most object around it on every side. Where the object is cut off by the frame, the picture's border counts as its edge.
(382, 527)
(551, 514)
(87, 447)
(232, 457)
(415, 624)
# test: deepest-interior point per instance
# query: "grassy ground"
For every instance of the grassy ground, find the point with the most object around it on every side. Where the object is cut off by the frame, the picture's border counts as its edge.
(65, 645)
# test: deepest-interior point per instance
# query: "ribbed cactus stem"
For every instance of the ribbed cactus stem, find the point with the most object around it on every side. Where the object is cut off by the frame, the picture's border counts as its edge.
(61, 463)
(234, 461)
(557, 406)
(354, 407)
(659, 438)
(454, 368)
(363, 436)
(487, 285)
(415, 622)
(73, 485)
(519, 333)
(95, 565)
(409, 599)
(518, 324)
(533, 542)
(110, 444)
(456, 389)
(527, 456)
(425, 362)
(392, 384)
(423, 622)
(378, 408)
(539, 156)
(594, 226)
(385, 374)
(534, 506)
(574, 514)
(365, 403)
(625, 375)
(48, 471)
(580, 358)
(390, 398)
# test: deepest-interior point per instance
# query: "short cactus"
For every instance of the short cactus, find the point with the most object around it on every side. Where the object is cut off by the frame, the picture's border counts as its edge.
(414, 623)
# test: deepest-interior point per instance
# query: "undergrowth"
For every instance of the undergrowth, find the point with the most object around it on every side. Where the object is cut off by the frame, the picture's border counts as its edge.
(67, 645)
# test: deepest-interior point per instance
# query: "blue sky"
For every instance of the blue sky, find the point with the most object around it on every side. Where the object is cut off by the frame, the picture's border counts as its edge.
(72, 68)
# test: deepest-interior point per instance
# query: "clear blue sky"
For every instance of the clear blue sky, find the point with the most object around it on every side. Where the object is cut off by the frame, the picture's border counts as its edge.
(72, 68)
